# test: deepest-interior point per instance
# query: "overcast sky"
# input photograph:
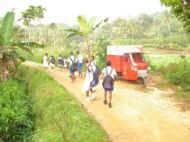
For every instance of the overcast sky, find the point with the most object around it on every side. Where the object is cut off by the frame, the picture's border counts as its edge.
(66, 11)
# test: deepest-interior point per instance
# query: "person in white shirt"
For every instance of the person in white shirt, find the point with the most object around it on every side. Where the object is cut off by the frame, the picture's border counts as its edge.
(87, 81)
(109, 75)
(45, 60)
(79, 63)
(65, 62)
(93, 62)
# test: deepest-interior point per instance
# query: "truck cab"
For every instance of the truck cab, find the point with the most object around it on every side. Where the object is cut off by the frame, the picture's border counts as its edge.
(128, 61)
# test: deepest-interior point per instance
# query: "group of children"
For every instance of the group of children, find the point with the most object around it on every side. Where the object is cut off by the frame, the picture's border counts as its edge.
(92, 74)
(108, 74)
(50, 63)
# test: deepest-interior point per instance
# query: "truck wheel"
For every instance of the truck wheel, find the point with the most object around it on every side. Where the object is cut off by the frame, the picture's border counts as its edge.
(144, 81)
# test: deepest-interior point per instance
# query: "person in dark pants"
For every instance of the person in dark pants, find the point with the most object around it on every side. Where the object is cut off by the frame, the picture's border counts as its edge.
(72, 66)
(60, 61)
(109, 76)
(79, 63)
(52, 62)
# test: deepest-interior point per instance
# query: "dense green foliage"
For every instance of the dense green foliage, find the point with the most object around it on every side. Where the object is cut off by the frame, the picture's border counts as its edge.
(32, 13)
(7, 28)
(16, 115)
(175, 69)
(99, 51)
(159, 30)
(181, 8)
(179, 74)
(59, 117)
(9, 57)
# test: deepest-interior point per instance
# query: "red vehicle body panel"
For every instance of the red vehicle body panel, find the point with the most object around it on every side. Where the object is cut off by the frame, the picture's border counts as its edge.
(125, 67)
(122, 67)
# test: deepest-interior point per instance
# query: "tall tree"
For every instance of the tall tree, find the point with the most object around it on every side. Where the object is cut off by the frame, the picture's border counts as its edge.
(32, 13)
(181, 8)
(53, 27)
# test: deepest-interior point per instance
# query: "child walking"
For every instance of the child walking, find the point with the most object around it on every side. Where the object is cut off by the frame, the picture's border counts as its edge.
(72, 66)
(87, 81)
(45, 61)
(109, 76)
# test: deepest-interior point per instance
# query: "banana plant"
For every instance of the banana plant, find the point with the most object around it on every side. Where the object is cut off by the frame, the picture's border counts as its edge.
(85, 29)
(9, 57)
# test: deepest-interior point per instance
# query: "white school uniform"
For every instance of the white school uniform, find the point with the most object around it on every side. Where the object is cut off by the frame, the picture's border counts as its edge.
(45, 61)
(108, 70)
(88, 79)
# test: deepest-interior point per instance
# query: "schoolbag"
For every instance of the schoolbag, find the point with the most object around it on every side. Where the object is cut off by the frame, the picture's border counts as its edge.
(96, 75)
(108, 81)
(73, 65)
(52, 60)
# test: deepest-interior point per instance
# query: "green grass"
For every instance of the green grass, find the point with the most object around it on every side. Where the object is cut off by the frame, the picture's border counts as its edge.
(16, 117)
(156, 62)
(59, 117)
(184, 95)
(172, 69)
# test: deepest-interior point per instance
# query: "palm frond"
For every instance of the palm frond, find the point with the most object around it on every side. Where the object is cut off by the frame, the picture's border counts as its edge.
(72, 32)
(84, 25)
(26, 46)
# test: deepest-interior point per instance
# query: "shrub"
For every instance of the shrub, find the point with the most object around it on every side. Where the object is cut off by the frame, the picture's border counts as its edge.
(179, 74)
(15, 111)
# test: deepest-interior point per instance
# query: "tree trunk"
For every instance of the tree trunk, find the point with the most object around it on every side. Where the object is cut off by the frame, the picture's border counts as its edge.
(4, 68)
(88, 49)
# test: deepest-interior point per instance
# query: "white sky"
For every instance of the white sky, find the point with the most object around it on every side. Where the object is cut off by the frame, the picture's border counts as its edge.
(66, 11)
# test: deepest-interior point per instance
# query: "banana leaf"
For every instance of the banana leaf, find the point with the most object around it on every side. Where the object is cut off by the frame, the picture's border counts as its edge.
(6, 30)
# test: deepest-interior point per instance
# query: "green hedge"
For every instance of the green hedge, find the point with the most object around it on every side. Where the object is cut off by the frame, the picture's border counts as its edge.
(16, 115)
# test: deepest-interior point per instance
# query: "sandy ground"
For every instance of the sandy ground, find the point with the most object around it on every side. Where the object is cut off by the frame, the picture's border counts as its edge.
(136, 116)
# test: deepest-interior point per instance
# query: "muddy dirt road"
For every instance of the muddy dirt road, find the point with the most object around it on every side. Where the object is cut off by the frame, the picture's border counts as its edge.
(136, 116)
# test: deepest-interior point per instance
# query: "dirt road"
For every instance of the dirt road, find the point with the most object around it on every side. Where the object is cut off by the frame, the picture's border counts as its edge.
(135, 116)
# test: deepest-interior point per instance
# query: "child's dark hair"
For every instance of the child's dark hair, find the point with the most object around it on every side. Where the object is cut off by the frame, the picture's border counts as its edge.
(86, 61)
(108, 63)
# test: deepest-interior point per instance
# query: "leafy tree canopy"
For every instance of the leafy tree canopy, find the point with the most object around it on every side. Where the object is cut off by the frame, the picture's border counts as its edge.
(32, 13)
(181, 8)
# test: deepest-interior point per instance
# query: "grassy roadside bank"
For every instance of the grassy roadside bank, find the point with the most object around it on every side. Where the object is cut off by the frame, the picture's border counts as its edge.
(59, 117)
(16, 115)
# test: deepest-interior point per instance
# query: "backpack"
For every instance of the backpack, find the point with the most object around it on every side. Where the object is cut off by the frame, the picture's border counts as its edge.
(73, 65)
(108, 81)
(52, 60)
(96, 75)
(60, 61)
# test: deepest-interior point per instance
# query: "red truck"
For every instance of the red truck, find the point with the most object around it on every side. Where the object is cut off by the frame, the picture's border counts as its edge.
(128, 61)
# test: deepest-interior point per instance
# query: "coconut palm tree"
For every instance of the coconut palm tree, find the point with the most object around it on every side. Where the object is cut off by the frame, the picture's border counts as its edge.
(85, 29)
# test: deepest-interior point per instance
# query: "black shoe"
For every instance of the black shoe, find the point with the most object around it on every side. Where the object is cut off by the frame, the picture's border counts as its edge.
(110, 105)
(105, 102)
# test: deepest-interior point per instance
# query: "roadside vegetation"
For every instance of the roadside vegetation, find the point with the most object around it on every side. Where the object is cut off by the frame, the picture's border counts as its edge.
(16, 117)
(58, 116)
(34, 107)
